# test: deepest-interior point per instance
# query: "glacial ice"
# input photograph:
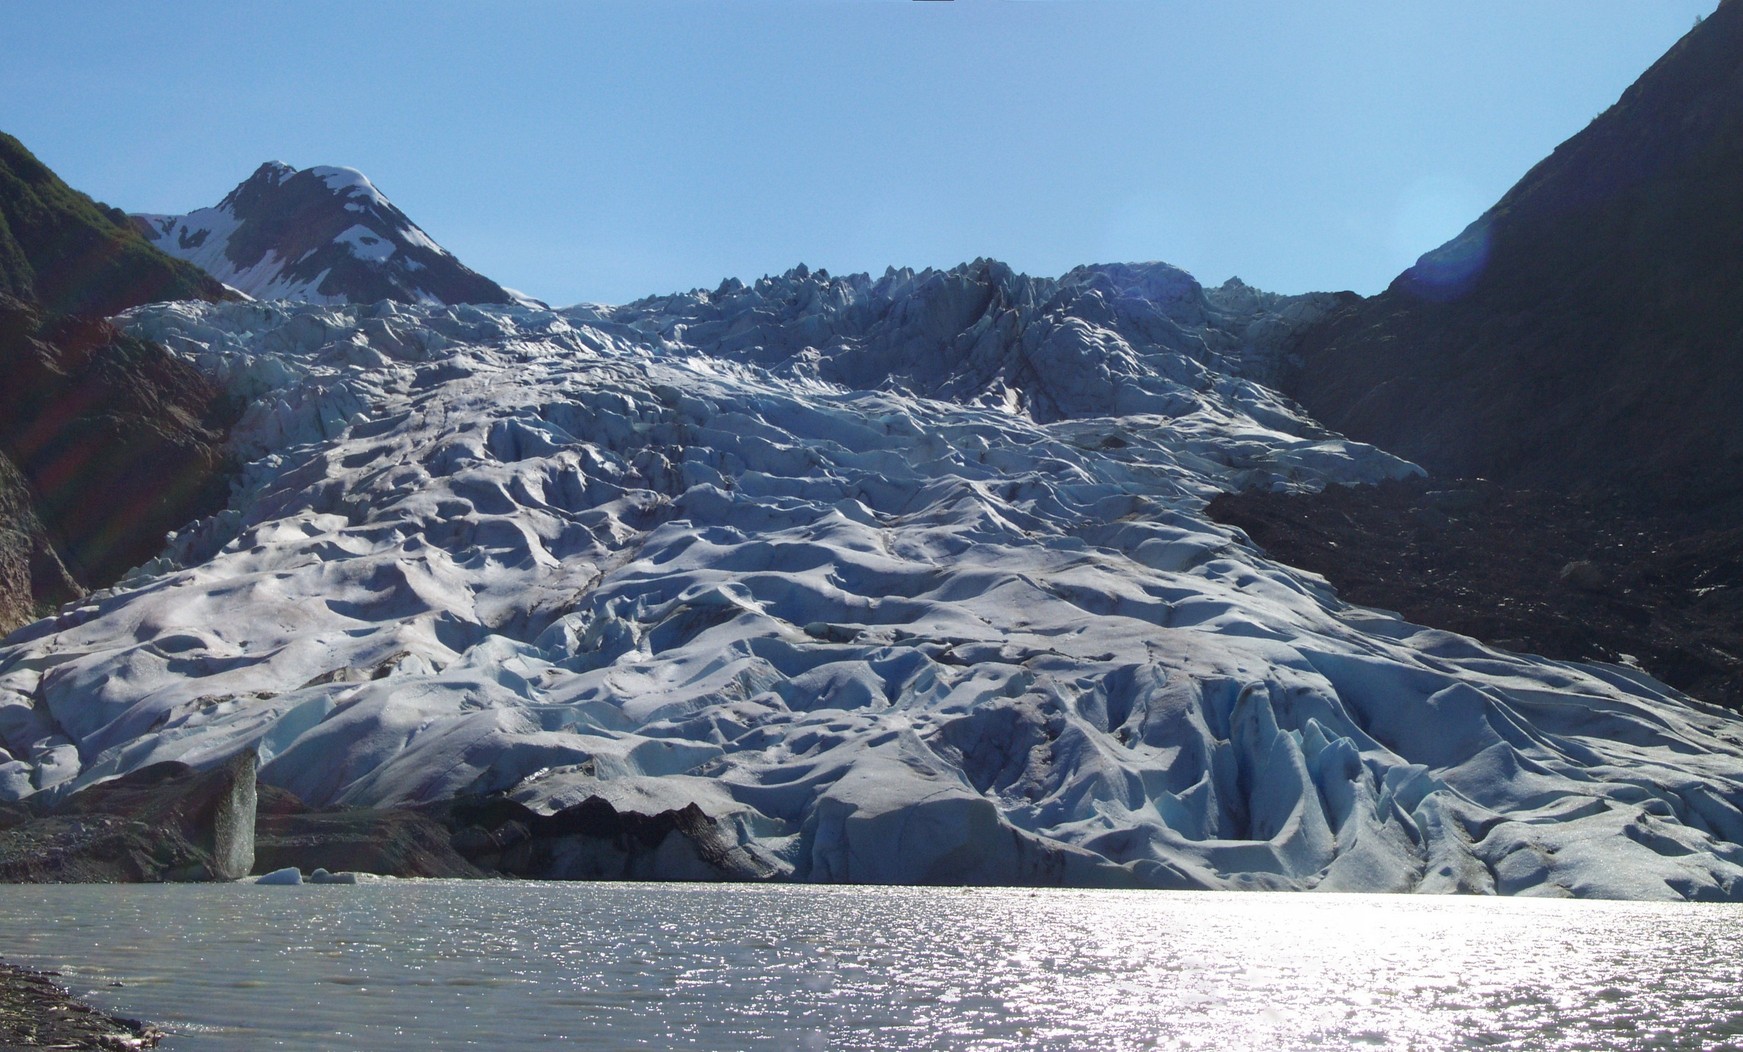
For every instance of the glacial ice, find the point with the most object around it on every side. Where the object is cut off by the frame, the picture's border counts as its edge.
(898, 580)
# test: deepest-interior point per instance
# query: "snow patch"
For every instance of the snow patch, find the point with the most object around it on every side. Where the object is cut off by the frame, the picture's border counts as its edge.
(364, 243)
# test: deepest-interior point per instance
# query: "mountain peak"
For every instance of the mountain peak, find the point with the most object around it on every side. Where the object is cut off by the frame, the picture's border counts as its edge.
(319, 235)
(348, 183)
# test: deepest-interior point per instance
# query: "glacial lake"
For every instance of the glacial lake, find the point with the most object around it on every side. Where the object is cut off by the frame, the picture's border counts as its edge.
(501, 965)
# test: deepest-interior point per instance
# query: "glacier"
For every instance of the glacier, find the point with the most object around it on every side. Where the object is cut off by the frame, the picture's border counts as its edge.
(900, 580)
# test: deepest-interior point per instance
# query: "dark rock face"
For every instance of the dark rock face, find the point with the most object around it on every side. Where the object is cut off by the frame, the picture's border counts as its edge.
(118, 441)
(163, 822)
(1580, 577)
(1589, 327)
(480, 837)
(32, 576)
(100, 849)
(592, 840)
(106, 442)
(320, 234)
(1581, 345)
(357, 840)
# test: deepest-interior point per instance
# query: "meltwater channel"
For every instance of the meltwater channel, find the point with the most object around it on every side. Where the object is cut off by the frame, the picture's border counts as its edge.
(485, 964)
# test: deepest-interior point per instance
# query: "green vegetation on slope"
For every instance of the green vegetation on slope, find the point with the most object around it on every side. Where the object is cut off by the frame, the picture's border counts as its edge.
(106, 442)
(71, 255)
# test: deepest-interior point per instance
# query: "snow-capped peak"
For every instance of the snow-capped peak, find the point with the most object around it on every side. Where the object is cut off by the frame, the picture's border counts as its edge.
(318, 235)
(347, 180)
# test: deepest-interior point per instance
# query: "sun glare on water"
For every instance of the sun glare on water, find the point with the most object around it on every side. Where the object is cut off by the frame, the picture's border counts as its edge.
(419, 964)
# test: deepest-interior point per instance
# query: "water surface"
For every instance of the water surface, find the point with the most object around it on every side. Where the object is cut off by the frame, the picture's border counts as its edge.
(478, 964)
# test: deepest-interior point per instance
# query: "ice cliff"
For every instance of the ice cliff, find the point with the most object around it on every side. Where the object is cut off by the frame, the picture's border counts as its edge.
(898, 580)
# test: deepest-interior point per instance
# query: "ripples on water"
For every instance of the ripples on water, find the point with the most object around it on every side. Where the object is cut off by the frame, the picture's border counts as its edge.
(446, 964)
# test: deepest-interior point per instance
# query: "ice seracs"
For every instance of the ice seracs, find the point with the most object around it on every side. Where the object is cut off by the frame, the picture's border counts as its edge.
(904, 579)
(321, 235)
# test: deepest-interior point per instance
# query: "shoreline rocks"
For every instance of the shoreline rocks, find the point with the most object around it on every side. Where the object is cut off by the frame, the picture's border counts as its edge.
(37, 1012)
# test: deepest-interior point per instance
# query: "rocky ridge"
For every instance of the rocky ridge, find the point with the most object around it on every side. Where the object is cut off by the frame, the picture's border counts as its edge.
(118, 444)
(65, 254)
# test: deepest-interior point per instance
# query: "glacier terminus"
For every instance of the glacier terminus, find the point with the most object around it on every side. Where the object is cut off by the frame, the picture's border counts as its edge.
(898, 580)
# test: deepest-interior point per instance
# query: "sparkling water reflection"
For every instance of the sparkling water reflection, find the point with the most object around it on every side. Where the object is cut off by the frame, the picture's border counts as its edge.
(440, 964)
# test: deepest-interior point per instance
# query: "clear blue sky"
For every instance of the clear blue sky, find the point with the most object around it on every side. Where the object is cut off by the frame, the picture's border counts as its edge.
(602, 151)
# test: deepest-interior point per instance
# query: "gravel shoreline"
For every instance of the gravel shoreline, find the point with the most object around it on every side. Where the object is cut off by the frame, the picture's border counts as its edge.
(37, 1012)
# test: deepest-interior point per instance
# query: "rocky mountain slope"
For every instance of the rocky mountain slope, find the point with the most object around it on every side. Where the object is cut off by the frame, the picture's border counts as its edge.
(1580, 346)
(33, 579)
(320, 235)
(106, 443)
(121, 442)
(68, 254)
(1588, 329)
